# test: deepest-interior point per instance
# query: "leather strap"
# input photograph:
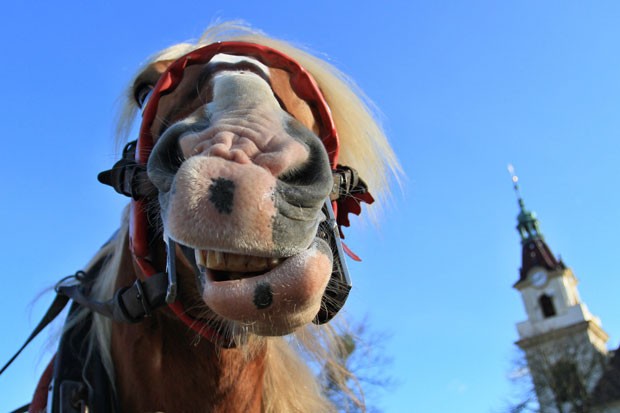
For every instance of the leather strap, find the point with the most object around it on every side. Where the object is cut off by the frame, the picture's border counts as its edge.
(128, 177)
(129, 304)
(339, 284)
(23, 409)
(55, 308)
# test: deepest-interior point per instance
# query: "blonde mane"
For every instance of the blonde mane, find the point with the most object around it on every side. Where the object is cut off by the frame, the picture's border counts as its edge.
(290, 384)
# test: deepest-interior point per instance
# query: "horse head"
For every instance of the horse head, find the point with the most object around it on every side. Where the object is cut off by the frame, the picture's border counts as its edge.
(241, 149)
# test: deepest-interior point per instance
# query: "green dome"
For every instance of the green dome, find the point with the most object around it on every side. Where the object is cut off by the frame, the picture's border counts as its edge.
(527, 224)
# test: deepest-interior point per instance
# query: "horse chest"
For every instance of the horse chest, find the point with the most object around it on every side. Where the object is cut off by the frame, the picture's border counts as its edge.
(169, 373)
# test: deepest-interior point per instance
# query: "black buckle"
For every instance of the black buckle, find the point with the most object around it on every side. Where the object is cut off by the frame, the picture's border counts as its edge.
(133, 304)
(346, 182)
(140, 296)
(128, 177)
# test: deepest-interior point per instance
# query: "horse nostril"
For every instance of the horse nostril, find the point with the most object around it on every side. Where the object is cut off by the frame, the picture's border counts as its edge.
(164, 162)
(221, 194)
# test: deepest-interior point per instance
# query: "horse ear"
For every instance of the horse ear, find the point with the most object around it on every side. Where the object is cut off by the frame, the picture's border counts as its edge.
(147, 79)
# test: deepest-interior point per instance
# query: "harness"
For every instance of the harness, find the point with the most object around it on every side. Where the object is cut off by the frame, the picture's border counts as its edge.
(75, 380)
(75, 377)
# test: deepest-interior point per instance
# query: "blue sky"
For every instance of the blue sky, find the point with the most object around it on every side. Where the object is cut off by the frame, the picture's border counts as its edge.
(465, 88)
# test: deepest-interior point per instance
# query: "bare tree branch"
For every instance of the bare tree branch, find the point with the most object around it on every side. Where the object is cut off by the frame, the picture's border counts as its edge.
(562, 376)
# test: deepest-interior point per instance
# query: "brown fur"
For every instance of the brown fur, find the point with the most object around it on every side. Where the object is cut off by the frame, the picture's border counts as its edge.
(158, 371)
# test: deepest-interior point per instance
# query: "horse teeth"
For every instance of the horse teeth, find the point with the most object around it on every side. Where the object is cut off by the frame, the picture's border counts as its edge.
(274, 262)
(200, 258)
(215, 260)
(223, 261)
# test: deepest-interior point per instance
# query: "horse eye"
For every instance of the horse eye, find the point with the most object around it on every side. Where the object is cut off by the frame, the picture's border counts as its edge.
(142, 94)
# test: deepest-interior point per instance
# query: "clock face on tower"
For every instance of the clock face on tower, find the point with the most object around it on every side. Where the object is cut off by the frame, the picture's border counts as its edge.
(539, 278)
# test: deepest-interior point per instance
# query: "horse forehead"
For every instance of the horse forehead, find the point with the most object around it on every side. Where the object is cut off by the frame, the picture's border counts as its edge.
(184, 100)
(281, 85)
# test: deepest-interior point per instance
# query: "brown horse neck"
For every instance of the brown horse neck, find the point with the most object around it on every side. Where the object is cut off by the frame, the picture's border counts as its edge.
(160, 365)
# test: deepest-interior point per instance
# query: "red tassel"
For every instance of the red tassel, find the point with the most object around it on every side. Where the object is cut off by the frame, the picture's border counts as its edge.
(350, 253)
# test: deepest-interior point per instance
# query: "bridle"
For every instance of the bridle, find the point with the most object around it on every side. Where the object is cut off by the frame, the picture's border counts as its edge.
(128, 176)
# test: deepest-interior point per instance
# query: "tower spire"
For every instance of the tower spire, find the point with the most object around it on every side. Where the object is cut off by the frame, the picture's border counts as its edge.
(527, 223)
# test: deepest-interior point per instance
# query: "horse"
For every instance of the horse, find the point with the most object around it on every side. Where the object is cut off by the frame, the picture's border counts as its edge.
(217, 291)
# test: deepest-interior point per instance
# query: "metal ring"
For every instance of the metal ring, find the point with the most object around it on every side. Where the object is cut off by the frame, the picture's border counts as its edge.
(63, 280)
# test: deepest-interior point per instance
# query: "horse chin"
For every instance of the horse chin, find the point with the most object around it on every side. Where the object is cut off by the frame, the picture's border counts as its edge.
(268, 297)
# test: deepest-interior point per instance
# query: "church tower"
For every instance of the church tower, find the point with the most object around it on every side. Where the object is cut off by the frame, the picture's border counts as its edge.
(564, 344)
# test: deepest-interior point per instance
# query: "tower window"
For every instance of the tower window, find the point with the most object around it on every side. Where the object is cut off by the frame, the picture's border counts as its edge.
(546, 304)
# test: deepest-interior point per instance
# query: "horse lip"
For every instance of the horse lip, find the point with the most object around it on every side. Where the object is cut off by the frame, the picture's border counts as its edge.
(278, 301)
